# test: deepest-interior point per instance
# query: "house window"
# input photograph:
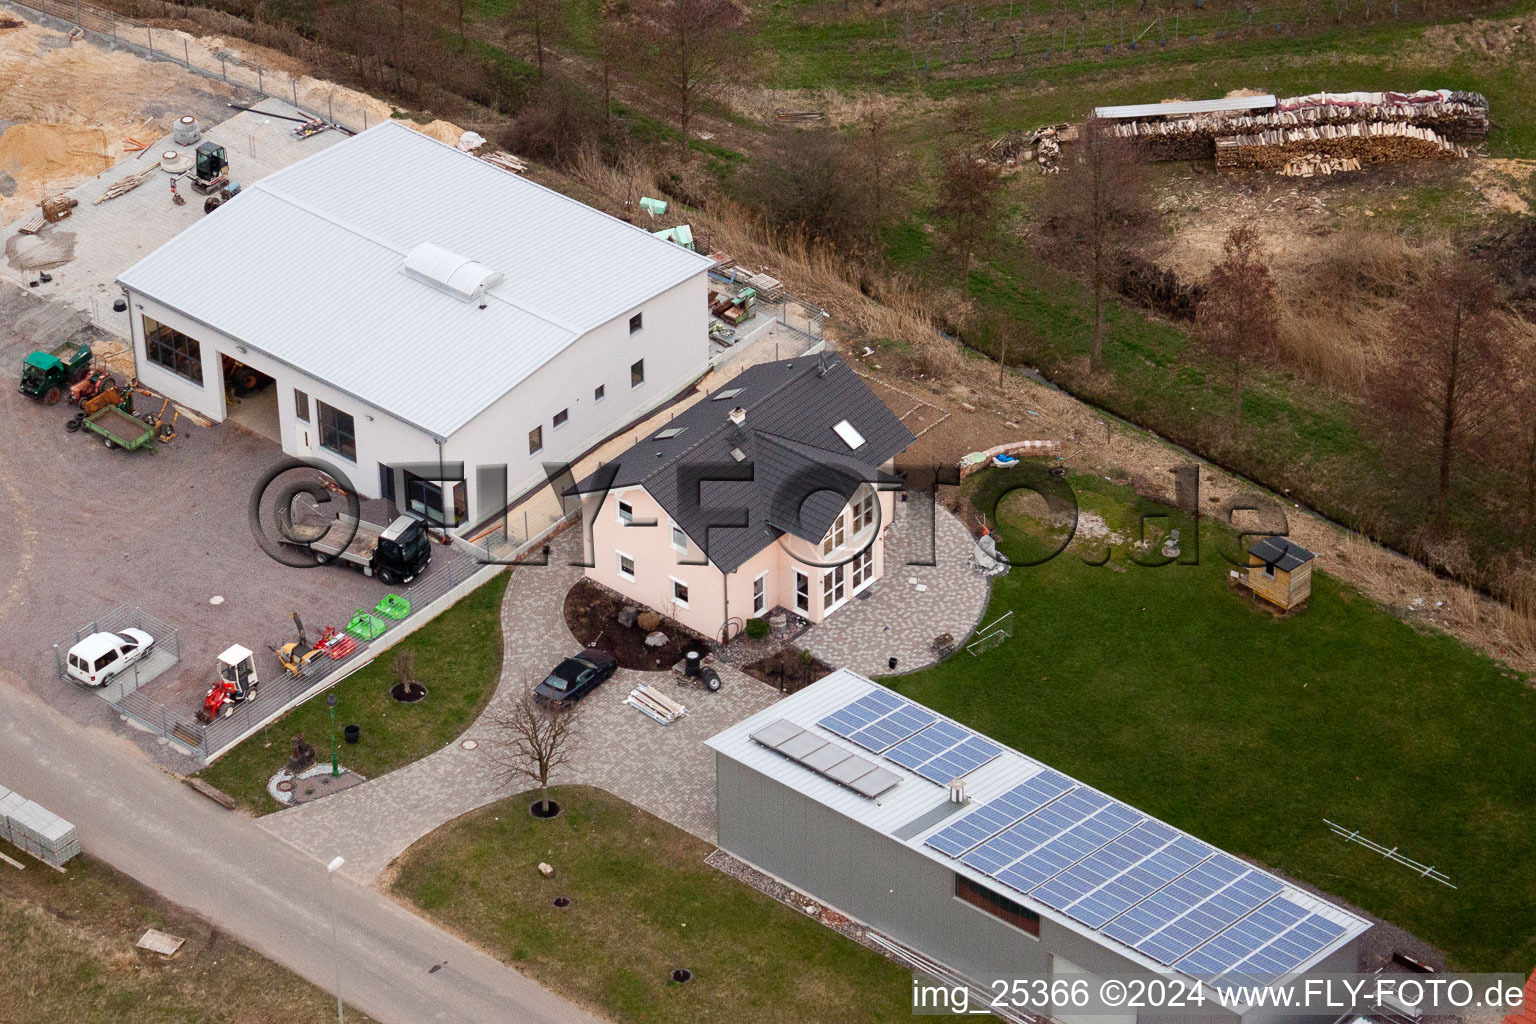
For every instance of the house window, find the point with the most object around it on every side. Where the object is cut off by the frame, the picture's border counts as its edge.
(626, 566)
(301, 405)
(802, 592)
(1269, 570)
(833, 588)
(173, 350)
(679, 592)
(863, 567)
(637, 373)
(536, 440)
(636, 322)
(864, 513)
(1000, 907)
(834, 538)
(562, 416)
(760, 594)
(626, 513)
(338, 433)
(598, 392)
(679, 539)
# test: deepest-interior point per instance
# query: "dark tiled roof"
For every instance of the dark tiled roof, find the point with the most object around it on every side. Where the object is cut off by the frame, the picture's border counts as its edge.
(1281, 552)
(793, 457)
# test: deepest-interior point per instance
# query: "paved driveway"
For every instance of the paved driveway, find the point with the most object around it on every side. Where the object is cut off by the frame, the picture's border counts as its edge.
(665, 770)
(897, 620)
(84, 529)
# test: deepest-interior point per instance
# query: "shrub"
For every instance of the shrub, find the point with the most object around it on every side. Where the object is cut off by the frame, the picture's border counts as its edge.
(757, 629)
(648, 620)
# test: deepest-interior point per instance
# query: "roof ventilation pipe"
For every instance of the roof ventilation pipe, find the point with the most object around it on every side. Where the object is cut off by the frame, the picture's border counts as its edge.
(957, 791)
(738, 415)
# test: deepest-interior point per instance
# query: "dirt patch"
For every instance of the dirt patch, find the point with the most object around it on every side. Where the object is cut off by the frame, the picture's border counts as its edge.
(591, 613)
(789, 669)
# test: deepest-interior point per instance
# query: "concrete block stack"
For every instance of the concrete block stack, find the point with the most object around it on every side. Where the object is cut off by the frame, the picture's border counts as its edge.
(37, 830)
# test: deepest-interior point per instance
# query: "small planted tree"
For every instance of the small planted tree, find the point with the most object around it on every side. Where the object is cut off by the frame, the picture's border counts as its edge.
(405, 666)
(1239, 310)
(533, 740)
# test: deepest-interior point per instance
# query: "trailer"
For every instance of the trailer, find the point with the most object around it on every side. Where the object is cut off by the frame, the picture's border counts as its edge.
(119, 428)
(396, 553)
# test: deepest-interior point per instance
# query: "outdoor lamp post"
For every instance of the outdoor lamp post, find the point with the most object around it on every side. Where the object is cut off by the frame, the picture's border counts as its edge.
(330, 884)
(330, 702)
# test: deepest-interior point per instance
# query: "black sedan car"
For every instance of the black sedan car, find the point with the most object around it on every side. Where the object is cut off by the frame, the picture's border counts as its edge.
(576, 677)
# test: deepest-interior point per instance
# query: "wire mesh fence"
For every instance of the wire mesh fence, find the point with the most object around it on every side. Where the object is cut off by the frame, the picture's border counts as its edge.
(324, 100)
(370, 631)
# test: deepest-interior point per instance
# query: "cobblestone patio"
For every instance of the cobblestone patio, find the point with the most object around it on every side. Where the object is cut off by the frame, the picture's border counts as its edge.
(896, 619)
(665, 770)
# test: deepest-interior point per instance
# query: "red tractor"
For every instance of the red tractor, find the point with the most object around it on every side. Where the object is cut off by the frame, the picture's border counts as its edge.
(236, 684)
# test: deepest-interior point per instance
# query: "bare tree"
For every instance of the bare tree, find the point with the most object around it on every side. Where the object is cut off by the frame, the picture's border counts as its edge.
(1239, 310)
(1099, 201)
(543, 22)
(685, 48)
(970, 188)
(885, 169)
(1452, 367)
(532, 741)
(405, 666)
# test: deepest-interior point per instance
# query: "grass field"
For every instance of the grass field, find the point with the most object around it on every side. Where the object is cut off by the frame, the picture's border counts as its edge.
(1186, 699)
(69, 956)
(458, 657)
(643, 904)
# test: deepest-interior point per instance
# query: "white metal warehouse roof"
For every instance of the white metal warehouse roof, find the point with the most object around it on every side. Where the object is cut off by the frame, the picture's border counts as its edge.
(915, 798)
(305, 265)
(1183, 108)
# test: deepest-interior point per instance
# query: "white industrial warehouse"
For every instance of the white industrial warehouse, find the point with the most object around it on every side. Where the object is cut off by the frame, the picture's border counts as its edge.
(391, 300)
(991, 865)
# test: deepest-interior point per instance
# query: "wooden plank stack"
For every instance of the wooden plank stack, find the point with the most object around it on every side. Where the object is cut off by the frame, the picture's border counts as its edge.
(651, 702)
(124, 185)
(506, 161)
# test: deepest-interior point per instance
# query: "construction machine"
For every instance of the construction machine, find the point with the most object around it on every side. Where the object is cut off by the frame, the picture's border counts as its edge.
(210, 171)
(294, 656)
(236, 684)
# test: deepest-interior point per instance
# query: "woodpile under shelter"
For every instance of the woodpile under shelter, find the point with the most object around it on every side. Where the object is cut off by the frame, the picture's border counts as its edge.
(1280, 571)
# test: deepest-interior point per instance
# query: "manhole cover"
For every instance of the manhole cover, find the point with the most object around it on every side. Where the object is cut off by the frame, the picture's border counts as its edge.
(469, 745)
(682, 974)
(286, 786)
(561, 901)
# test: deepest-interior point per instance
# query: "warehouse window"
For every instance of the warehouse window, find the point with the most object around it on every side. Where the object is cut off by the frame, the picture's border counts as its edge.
(637, 374)
(301, 405)
(636, 322)
(1000, 907)
(338, 433)
(173, 350)
(535, 440)
(598, 392)
(562, 416)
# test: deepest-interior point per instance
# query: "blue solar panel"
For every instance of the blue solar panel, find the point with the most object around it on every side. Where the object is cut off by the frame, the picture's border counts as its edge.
(1034, 831)
(1070, 847)
(1174, 899)
(1242, 940)
(960, 761)
(928, 744)
(869, 708)
(878, 719)
(1289, 950)
(1139, 882)
(994, 816)
(1210, 917)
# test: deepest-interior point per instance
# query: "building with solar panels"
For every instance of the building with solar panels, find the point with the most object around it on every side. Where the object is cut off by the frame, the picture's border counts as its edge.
(992, 865)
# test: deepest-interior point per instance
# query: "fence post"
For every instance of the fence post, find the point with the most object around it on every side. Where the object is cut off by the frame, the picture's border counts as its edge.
(295, 83)
(149, 31)
(259, 87)
(223, 68)
(186, 53)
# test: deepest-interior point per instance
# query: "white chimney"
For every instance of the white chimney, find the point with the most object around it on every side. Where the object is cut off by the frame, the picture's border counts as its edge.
(957, 791)
(738, 415)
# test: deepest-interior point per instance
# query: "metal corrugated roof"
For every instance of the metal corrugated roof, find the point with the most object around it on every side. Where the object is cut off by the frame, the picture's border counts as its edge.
(1183, 108)
(306, 266)
(916, 796)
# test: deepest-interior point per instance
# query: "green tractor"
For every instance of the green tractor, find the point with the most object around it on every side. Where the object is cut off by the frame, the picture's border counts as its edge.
(47, 376)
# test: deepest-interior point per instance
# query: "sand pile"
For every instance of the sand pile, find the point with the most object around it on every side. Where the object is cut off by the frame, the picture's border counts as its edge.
(44, 153)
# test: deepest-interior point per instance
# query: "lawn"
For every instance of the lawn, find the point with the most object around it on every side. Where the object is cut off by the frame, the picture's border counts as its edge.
(643, 903)
(1172, 692)
(69, 956)
(458, 657)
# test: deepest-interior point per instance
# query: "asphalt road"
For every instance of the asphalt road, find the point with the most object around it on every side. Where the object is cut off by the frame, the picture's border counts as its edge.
(253, 885)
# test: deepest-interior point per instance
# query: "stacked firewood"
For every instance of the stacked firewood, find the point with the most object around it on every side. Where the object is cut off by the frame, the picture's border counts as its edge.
(1373, 142)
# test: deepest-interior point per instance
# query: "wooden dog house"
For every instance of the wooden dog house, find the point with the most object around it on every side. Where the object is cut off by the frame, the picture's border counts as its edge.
(1280, 571)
